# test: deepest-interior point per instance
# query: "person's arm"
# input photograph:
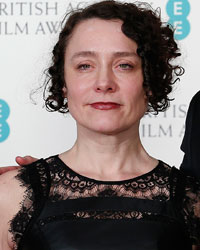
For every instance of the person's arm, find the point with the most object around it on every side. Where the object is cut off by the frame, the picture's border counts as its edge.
(190, 208)
(20, 161)
(11, 195)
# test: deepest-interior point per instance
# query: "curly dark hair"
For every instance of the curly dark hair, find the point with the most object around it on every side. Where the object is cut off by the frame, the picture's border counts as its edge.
(156, 47)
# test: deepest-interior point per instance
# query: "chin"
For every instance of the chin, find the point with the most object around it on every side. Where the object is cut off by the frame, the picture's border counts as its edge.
(108, 125)
(108, 130)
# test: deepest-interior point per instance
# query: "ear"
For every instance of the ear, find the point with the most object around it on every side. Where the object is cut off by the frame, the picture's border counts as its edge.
(146, 95)
(64, 89)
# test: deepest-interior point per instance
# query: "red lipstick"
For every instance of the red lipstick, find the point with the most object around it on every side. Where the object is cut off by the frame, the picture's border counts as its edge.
(105, 105)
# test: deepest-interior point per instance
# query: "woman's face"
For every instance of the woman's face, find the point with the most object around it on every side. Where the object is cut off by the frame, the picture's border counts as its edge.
(104, 78)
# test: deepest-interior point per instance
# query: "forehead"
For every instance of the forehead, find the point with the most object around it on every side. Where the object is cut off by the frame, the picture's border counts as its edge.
(101, 36)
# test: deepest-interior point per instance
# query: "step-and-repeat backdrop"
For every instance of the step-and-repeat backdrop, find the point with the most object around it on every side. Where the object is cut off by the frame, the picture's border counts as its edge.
(28, 31)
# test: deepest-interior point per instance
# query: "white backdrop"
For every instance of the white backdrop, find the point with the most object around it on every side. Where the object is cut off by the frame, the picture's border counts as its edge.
(28, 31)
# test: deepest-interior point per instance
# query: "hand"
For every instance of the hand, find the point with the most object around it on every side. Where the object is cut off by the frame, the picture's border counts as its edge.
(21, 161)
(25, 160)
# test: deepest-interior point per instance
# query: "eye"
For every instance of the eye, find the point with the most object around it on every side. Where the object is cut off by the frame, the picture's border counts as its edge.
(125, 66)
(83, 67)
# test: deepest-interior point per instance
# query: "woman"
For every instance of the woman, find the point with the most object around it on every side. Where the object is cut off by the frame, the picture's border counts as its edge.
(112, 64)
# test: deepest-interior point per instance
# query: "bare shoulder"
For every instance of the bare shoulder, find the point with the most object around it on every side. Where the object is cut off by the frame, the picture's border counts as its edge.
(9, 185)
(8, 168)
(11, 194)
(8, 175)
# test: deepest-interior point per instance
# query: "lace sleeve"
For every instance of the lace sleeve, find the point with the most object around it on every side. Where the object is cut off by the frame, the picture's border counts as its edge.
(191, 208)
(35, 178)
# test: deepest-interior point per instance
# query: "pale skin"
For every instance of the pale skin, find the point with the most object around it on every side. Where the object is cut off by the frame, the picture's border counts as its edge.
(101, 68)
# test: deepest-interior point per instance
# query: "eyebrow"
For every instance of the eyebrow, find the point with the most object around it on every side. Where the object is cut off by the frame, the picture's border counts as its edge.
(94, 54)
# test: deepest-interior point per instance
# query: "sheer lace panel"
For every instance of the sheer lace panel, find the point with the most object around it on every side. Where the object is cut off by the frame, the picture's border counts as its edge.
(104, 215)
(185, 194)
(191, 208)
(66, 184)
(109, 214)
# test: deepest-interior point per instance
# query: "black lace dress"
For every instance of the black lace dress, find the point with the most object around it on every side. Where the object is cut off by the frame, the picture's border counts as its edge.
(63, 210)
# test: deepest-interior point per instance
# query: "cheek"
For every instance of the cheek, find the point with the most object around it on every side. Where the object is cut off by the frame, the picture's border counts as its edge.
(134, 90)
(135, 96)
(76, 85)
(73, 96)
(76, 95)
(73, 88)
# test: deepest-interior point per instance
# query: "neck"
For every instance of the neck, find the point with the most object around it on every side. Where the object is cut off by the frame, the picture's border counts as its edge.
(108, 155)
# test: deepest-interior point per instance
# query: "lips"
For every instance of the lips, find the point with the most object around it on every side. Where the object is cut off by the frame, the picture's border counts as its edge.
(105, 105)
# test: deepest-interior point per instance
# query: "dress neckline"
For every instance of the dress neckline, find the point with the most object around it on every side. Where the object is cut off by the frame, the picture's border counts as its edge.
(86, 178)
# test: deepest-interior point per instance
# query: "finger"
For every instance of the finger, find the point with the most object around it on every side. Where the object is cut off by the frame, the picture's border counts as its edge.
(25, 160)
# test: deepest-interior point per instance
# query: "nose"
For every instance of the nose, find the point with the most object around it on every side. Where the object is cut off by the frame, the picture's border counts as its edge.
(105, 81)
